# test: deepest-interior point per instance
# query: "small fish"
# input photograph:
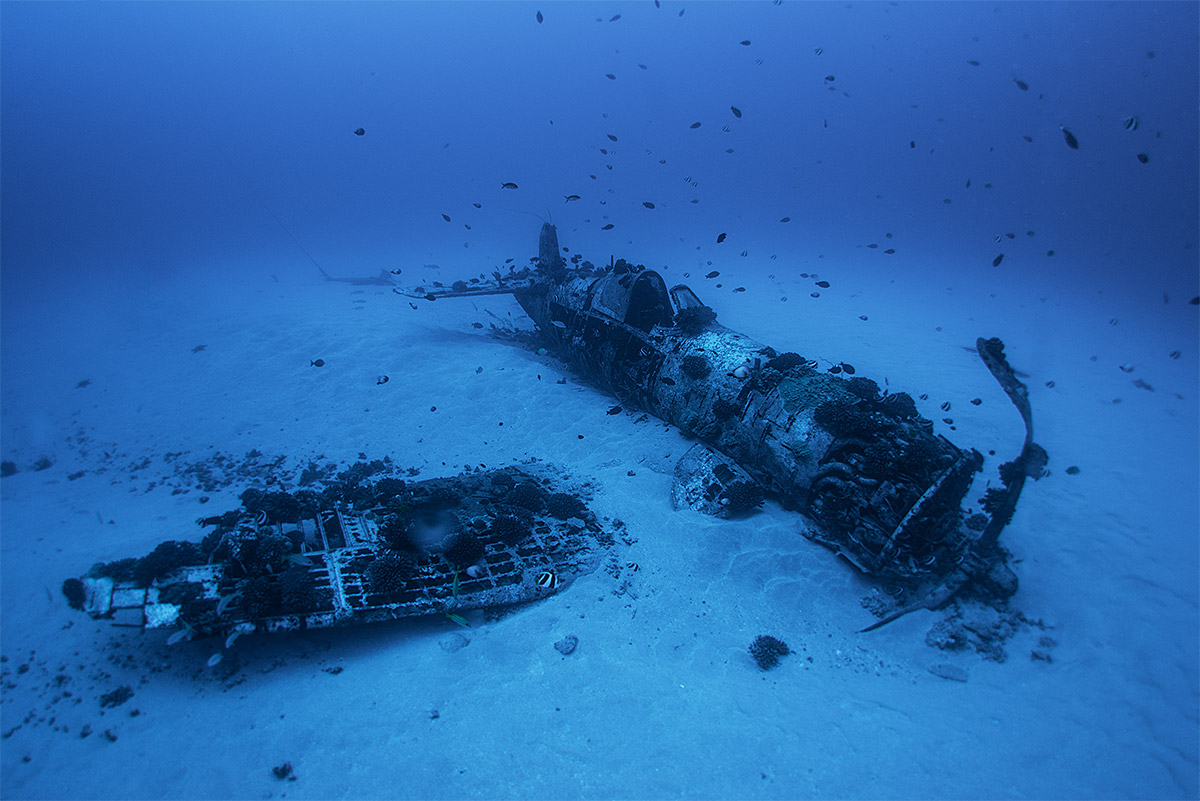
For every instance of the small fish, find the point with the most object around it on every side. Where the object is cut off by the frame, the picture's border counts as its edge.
(608, 227)
(1130, 123)
(694, 125)
(973, 63)
(610, 76)
(946, 406)
(569, 198)
(1142, 157)
(912, 145)
(446, 217)
(260, 519)
(613, 138)
(1071, 141)
(1027, 138)
(1140, 384)
(317, 363)
(823, 284)
(199, 348)
(720, 238)
(976, 401)
(737, 112)
(182, 634)
(383, 379)
(508, 185)
(85, 382)
(890, 251)
(359, 131)
(837, 368)
(873, 245)
(817, 51)
(713, 274)
(1024, 87)
(647, 204)
(214, 660)
(477, 205)
(785, 219)
(615, 18)
(634, 566)
(540, 17)
(670, 382)
(847, 368)
(744, 43)
(547, 579)
(996, 261)
(829, 78)
(614, 410)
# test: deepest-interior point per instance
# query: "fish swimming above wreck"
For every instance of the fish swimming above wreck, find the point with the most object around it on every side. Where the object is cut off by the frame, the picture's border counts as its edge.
(874, 481)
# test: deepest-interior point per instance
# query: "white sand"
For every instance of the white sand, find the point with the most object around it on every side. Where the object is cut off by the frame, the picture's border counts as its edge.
(661, 699)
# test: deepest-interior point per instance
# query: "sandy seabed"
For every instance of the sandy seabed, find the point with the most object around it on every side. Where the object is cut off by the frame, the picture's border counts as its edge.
(661, 699)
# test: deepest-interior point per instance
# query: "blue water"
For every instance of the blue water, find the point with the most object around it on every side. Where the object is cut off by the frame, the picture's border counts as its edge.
(140, 134)
(150, 148)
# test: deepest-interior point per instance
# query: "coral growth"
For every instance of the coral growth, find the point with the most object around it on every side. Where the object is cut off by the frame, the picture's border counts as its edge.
(842, 420)
(863, 388)
(694, 319)
(298, 590)
(510, 529)
(72, 590)
(167, 557)
(563, 505)
(260, 597)
(766, 651)
(786, 361)
(463, 549)
(723, 409)
(387, 573)
(527, 495)
(695, 366)
(742, 496)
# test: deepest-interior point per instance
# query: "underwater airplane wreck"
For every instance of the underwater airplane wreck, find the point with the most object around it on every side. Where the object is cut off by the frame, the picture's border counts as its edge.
(873, 480)
(879, 487)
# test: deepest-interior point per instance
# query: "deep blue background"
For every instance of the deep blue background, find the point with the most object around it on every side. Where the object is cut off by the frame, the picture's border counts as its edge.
(135, 136)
